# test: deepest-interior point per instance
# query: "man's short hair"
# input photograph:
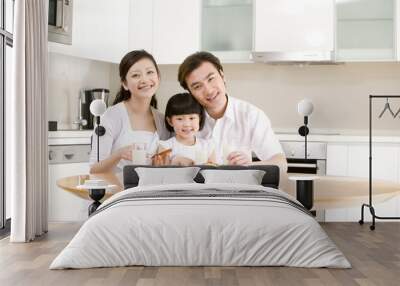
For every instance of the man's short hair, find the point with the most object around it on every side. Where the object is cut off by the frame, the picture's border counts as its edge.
(192, 62)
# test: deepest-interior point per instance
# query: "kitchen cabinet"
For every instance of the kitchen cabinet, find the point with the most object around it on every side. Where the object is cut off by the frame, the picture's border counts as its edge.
(294, 26)
(64, 206)
(167, 29)
(141, 25)
(351, 159)
(337, 163)
(99, 32)
(366, 29)
(176, 29)
(106, 31)
(227, 29)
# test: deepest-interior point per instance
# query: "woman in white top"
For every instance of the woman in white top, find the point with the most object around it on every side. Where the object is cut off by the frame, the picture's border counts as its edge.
(185, 116)
(133, 119)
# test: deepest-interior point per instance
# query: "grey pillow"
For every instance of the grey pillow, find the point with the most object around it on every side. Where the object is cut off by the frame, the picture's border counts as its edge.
(249, 177)
(163, 176)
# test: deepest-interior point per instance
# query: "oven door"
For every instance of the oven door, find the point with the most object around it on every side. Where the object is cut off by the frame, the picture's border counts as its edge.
(307, 166)
(302, 166)
(60, 21)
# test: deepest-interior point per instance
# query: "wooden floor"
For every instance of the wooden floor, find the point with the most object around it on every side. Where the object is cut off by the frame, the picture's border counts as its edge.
(374, 255)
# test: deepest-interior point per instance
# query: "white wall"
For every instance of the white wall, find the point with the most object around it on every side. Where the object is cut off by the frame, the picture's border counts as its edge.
(339, 92)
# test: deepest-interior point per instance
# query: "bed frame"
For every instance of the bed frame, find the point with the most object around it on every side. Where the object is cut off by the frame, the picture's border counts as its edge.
(270, 179)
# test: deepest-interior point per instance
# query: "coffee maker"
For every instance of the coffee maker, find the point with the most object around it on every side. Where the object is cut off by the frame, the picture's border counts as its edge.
(85, 99)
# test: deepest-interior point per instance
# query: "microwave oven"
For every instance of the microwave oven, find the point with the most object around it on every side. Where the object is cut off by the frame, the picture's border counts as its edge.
(60, 21)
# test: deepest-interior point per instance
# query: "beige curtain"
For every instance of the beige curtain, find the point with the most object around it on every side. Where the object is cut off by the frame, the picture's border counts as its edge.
(27, 122)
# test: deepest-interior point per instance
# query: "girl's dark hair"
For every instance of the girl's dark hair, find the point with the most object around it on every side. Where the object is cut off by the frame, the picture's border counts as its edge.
(127, 61)
(183, 103)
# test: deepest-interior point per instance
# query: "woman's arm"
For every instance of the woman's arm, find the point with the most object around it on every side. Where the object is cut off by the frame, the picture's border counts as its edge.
(107, 165)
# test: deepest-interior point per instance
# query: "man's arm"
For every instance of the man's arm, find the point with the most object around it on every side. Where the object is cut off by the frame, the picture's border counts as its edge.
(280, 161)
(240, 158)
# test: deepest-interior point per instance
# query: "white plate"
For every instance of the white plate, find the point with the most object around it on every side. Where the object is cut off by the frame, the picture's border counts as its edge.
(86, 187)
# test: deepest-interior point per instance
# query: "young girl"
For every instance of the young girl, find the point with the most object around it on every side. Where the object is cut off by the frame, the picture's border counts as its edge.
(185, 116)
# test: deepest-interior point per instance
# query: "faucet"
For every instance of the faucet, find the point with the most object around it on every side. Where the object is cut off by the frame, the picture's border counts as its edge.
(80, 121)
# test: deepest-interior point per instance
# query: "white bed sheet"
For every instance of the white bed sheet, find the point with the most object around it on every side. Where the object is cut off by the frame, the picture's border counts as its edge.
(200, 231)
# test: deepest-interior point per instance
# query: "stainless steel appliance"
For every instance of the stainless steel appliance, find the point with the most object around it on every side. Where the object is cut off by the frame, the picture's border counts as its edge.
(316, 157)
(85, 118)
(314, 164)
(60, 21)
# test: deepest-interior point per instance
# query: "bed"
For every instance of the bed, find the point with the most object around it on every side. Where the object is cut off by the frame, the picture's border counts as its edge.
(201, 224)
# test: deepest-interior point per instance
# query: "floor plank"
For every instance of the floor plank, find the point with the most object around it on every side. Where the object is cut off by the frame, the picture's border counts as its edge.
(374, 255)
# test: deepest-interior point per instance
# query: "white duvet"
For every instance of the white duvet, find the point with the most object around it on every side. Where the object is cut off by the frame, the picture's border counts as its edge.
(189, 230)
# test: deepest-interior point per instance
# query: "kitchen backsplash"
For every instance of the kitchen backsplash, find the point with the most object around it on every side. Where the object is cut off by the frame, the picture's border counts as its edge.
(339, 92)
(67, 75)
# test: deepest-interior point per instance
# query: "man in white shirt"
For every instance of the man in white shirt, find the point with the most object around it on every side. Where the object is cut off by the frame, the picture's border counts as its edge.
(235, 126)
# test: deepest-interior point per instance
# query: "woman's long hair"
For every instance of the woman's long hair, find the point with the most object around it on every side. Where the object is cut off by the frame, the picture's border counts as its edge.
(127, 61)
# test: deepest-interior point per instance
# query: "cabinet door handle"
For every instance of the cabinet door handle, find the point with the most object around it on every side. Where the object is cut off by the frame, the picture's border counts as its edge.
(52, 155)
(69, 156)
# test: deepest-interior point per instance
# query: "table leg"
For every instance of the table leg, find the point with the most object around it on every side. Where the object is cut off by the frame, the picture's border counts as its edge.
(96, 195)
(305, 193)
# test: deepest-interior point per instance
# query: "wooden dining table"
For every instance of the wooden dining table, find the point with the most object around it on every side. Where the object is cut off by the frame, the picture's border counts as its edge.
(332, 192)
(71, 183)
(329, 191)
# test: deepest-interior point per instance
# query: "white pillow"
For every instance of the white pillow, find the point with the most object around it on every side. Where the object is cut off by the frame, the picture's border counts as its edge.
(248, 177)
(165, 176)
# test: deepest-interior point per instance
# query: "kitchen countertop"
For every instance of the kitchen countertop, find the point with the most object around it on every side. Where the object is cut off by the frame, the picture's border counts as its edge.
(64, 137)
(69, 137)
(70, 133)
(338, 138)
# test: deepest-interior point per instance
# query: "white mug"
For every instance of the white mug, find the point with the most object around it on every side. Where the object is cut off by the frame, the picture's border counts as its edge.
(227, 149)
(139, 153)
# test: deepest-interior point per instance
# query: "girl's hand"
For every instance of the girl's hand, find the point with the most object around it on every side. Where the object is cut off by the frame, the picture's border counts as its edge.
(182, 161)
(160, 160)
(125, 153)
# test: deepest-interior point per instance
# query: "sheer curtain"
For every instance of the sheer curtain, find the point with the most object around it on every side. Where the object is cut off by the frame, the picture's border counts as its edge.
(27, 122)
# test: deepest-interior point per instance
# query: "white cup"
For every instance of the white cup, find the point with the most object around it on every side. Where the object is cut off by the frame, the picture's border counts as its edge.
(227, 149)
(201, 157)
(139, 153)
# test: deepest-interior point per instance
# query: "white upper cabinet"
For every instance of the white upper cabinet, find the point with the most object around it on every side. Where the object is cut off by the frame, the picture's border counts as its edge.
(176, 30)
(365, 30)
(99, 31)
(294, 26)
(141, 25)
(106, 30)
(227, 29)
(303, 30)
